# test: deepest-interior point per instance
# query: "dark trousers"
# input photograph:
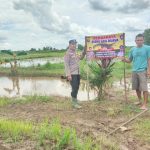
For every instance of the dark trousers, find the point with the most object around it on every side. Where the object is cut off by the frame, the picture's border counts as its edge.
(75, 83)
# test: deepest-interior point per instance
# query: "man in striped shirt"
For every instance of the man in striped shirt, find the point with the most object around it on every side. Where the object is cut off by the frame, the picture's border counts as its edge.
(71, 61)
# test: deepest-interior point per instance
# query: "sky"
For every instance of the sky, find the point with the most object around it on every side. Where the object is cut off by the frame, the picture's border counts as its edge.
(26, 24)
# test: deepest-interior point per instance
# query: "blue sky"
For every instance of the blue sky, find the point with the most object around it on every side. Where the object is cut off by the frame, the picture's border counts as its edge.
(26, 24)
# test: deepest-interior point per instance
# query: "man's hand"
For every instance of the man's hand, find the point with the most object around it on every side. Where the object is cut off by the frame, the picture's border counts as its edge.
(69, 78)
(148, 70)
(148, 73)
(121, 58)
(85, 48)
(124, 59)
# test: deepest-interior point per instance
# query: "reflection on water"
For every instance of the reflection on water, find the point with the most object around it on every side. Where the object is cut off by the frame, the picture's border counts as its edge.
(36, 61)
(14, 86)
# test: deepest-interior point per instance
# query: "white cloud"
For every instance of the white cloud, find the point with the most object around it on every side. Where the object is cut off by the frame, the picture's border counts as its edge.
(36, 23)
(43, 14)
(132, 6)
(130, 24)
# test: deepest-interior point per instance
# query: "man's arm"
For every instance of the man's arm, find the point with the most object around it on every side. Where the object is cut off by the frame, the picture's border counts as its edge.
(127, 60)
(148, 55)
(130, 57)
(148, 69)
(67, 68)
(83, 54)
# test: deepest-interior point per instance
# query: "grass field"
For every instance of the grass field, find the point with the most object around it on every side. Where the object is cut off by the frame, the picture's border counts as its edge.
(51, 123)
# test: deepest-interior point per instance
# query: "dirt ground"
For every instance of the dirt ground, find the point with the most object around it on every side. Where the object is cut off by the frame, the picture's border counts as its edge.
(93, 119)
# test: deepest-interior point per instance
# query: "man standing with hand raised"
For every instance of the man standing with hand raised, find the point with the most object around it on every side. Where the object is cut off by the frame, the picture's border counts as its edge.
(71, 61)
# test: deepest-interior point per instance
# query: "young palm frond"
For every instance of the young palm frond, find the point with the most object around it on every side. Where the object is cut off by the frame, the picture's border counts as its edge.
(99, 76)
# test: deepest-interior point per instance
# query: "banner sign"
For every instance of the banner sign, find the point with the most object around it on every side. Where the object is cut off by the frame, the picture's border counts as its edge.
(105, 46)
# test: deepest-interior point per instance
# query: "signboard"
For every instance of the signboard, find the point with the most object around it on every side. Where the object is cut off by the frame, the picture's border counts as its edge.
(105, 46)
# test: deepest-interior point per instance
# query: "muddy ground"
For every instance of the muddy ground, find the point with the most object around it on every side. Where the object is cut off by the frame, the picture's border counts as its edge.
(95, 118)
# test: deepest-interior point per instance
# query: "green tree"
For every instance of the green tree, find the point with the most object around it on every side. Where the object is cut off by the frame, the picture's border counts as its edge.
(80, 47)
(33, 49)
(7, 52)
(19, 53)
(147, 36)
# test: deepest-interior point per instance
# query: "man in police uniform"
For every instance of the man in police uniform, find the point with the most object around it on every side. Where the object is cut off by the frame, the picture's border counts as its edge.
(71, 61)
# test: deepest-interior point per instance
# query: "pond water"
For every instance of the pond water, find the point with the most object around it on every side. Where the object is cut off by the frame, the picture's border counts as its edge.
(36, 61)
(19, 86)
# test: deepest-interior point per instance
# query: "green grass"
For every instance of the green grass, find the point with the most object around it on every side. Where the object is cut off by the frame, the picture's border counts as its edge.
(106, 143)
(58, 137)
(4, 101)
(142, 130)
(113, 111)
(31, 55)
(41, 70)
(43, 54)
(117, 109)
(34, 98)
(130, 109)
(28, 72)
(51, 135)
(15, 130)
(4, 71)
(24, 100)
(62, 138)
(51, 66)
(118, 70)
